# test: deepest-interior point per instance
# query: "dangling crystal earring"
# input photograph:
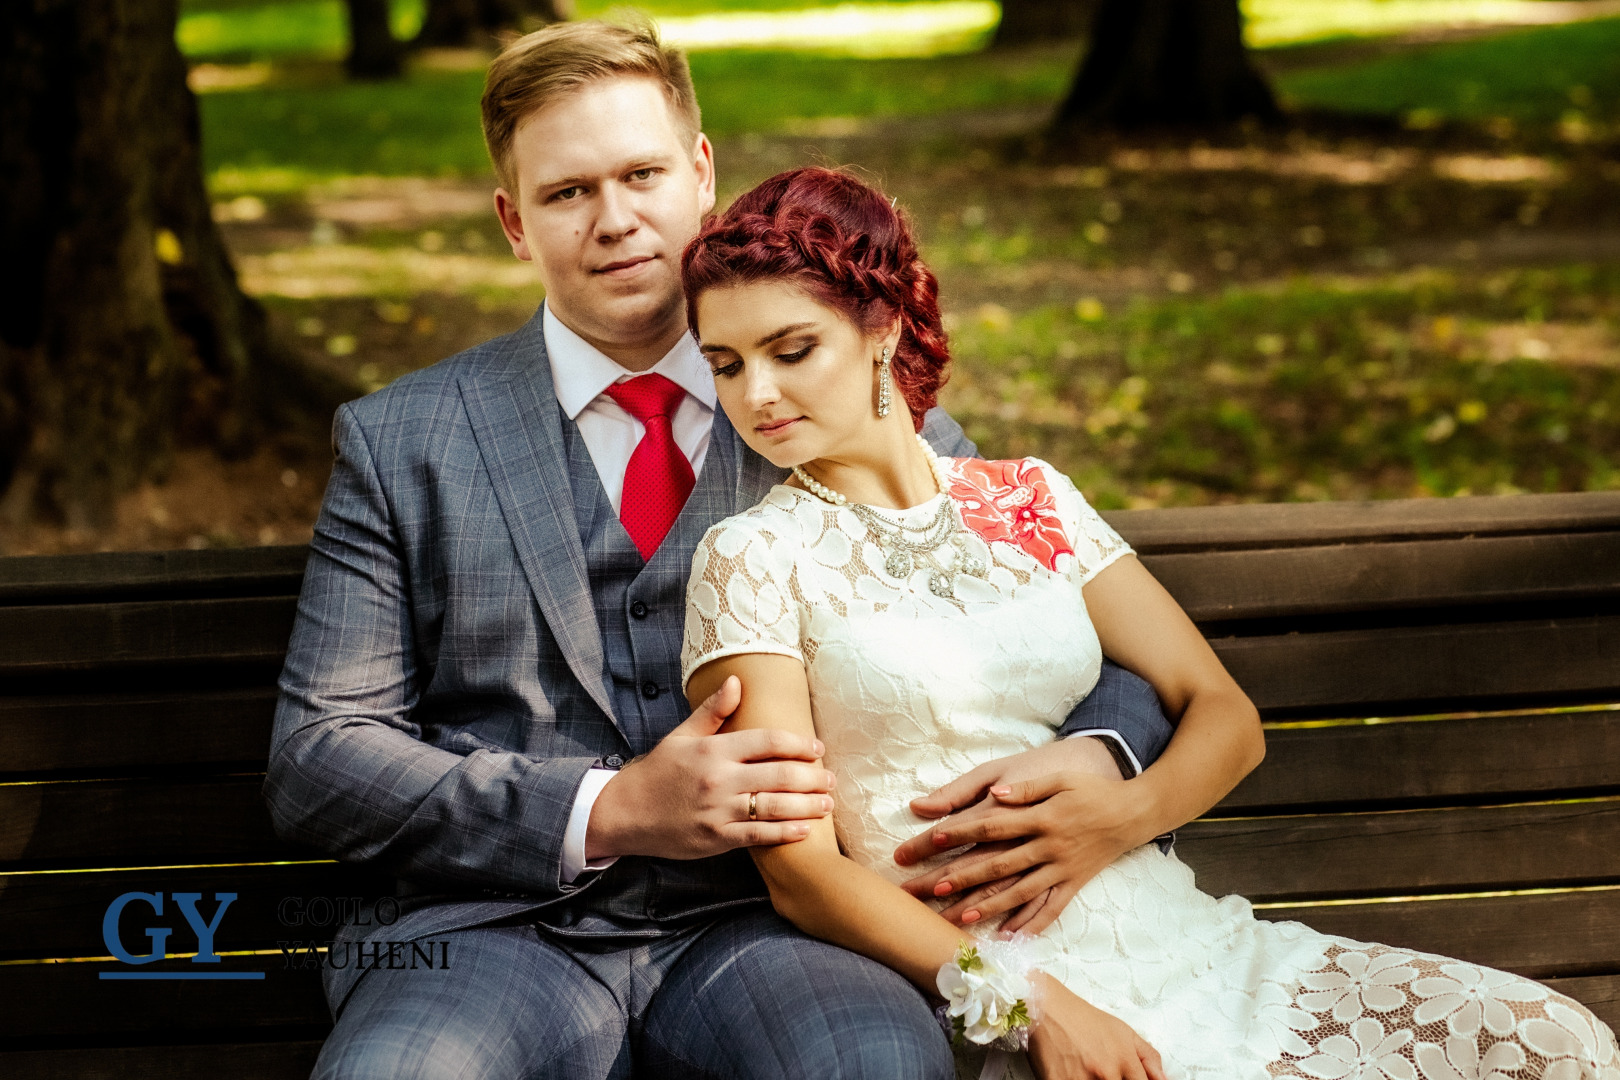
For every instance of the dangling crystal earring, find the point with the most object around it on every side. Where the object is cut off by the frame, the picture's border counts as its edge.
(883, 383)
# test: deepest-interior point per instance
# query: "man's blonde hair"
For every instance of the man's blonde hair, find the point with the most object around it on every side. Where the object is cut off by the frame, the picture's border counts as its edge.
(548, 63)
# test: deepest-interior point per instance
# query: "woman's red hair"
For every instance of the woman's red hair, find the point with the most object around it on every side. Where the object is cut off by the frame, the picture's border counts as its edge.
(846, 245)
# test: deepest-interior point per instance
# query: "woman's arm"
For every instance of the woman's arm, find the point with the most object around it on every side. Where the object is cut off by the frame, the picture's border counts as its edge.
(1218, 739)
(812, 884)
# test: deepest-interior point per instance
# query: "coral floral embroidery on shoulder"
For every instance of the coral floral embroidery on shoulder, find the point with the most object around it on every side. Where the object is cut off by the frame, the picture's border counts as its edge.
(1011, 502)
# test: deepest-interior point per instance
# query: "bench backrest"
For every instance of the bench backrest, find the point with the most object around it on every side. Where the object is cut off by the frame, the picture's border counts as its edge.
(138, 691)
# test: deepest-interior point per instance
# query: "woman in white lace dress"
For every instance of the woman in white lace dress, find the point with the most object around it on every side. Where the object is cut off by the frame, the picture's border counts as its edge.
(925, 616)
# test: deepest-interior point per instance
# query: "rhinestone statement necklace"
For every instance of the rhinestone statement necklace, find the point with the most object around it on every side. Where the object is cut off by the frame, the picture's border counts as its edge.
(942, 544)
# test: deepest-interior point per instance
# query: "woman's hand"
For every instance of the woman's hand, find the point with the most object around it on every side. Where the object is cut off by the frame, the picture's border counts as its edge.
(1073, 1040)
(1045, 839)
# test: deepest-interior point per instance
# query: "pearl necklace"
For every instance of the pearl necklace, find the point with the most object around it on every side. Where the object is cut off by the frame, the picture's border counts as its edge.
(942, 544)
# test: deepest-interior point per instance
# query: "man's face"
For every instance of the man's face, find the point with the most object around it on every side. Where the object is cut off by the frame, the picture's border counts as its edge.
(609, 192)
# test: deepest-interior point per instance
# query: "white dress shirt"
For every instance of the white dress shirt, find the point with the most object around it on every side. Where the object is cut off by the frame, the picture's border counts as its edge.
(581, 374)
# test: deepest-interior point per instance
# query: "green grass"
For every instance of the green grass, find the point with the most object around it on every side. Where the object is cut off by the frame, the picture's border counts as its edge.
(1316, 390)
(428, 124)
(256, 29)
(1536, 75)
(251, 29)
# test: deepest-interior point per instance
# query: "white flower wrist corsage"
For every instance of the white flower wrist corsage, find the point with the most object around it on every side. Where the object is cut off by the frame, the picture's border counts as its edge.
(988, 994)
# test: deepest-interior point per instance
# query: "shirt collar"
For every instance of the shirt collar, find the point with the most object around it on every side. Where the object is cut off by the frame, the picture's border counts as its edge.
(581, 373)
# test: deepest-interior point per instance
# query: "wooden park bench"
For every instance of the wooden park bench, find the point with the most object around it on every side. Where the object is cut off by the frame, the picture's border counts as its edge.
(1479, 816)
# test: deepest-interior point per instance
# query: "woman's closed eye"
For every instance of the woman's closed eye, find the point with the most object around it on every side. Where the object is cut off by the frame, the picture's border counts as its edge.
(726, 371)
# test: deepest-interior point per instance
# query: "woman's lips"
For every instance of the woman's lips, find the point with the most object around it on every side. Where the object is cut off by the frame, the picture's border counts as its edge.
(776, 427)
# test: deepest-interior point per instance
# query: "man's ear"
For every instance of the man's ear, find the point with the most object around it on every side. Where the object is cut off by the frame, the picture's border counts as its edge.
(703, 162)
(506, 208)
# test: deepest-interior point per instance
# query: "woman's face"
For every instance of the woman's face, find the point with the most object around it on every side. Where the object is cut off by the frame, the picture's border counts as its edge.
(796, 377)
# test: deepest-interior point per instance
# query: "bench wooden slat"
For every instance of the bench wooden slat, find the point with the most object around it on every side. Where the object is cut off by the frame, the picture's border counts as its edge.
(1542, 936)
(138, 823)
(41, 639)
(60, 915)
(46, 1003)
(132, 823)
(1428, 668)
(293, 1060)
(1472, 849)
(169, 575)
(1433, 761)
(1278, 525)
(124, 732)
(1316, 581)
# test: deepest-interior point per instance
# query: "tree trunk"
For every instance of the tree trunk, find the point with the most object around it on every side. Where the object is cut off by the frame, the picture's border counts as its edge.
(373, 52)
(476, 22)
(122, 328)
(1026, 22)
(1178, 63)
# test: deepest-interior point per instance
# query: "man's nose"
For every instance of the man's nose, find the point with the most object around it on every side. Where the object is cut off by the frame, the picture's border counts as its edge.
(617, 218)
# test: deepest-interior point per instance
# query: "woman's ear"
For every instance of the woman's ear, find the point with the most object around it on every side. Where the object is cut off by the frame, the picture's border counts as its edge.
(890, 340)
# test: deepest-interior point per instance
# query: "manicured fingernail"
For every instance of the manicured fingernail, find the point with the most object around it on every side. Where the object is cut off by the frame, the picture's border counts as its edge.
(801, 831)
(1001, 789)
(832, 781)
(819, 748)
(944, 888)
(826, 805)
(970, 916)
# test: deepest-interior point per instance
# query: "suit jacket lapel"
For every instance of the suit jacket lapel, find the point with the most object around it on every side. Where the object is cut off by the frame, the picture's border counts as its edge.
(517, 422)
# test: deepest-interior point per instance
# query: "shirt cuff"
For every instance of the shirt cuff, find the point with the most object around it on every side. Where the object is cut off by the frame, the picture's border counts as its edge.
(1113, 737)
(579, 822)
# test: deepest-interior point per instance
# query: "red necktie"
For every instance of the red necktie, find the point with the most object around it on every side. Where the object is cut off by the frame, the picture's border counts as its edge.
(659, 477)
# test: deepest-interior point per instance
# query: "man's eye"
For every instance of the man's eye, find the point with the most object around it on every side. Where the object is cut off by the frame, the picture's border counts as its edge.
(567, 193)
(643, 174)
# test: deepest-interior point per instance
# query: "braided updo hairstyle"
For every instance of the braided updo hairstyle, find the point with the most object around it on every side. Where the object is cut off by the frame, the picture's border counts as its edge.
(843, 243)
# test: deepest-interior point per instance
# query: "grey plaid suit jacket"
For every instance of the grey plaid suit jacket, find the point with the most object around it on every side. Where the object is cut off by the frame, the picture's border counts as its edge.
(444, 690)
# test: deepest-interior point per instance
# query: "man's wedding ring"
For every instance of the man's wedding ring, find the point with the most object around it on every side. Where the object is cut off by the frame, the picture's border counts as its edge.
(753, 806)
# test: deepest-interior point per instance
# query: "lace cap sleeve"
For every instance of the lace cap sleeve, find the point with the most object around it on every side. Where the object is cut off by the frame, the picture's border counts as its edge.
(1096, 544)
(739, 597)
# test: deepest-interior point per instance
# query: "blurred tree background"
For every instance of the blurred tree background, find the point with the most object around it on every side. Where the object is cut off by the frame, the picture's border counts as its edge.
(1191, 252)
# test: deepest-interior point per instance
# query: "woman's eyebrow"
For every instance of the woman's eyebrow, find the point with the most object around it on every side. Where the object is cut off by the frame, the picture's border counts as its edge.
(784, 332)
(706, 349)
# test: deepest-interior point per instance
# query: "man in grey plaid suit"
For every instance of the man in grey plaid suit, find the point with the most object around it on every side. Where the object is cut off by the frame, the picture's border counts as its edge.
(481, 692)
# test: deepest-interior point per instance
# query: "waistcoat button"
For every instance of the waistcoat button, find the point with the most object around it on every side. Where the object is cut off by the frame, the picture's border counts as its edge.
(638, 609)
(649, 689)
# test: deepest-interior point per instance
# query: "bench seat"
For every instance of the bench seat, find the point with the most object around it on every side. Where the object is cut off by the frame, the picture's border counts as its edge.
(1439, 679)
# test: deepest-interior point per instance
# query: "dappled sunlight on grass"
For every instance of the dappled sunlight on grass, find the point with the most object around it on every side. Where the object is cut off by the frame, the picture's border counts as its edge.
(350, 270)
(1320, 388)
(1276, 22)
(1556, 75)
(854, 29)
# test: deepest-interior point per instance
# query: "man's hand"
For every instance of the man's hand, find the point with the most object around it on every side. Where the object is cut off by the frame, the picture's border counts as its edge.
(688, 798)
(1039, 835)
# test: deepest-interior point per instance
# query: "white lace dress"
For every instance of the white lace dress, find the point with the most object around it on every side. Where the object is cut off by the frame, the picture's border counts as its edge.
(909, 690)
